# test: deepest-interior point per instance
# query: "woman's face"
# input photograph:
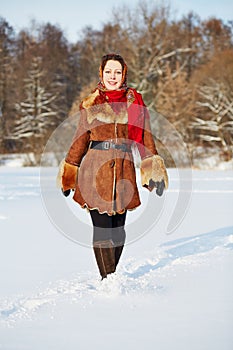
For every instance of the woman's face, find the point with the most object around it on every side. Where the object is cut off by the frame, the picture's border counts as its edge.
(112, 75)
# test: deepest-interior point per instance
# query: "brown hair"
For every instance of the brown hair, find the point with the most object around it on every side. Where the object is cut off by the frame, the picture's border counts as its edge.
(114, 57)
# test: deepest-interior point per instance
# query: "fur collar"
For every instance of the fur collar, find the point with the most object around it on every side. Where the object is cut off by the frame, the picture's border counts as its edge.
(98, 108)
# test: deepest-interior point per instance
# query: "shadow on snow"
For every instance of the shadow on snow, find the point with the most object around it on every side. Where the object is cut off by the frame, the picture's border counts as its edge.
(188, 246)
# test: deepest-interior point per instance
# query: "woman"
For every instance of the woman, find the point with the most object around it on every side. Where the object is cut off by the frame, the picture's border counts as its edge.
(99, 164)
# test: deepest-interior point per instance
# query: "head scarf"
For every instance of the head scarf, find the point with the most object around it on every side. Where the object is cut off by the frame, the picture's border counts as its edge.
(136, 109)
(114, 57)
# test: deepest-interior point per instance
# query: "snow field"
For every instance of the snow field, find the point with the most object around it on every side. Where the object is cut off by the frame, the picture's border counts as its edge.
(171, 291)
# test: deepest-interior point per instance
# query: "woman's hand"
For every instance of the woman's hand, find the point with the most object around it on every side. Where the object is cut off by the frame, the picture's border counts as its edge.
(65, 193)
(154, 174)
(159, 185)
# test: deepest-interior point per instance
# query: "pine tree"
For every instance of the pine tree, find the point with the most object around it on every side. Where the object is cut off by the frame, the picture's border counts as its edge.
(37, 113)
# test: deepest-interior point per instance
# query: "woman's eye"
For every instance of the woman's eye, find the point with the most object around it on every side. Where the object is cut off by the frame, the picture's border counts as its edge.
(119, 72)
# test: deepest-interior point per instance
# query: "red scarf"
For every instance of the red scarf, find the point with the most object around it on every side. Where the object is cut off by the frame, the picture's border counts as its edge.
(137, 112)
(116, 98)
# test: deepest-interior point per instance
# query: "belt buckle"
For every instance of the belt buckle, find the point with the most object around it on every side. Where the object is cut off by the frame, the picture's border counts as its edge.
(124, 147)
(106, 145)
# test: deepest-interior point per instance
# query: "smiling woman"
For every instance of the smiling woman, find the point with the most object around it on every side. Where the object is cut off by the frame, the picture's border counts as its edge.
(112, 75)
(113, 72)
(99, 165)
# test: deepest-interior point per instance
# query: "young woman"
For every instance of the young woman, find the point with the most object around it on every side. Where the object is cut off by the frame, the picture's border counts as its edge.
(99, 164)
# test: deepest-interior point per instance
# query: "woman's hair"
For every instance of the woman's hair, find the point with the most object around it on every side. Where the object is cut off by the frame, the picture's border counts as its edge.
(114, 57)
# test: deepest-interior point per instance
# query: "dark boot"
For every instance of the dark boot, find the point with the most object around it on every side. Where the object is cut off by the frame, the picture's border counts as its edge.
(118, 252)
(118, 235)
(105, 257)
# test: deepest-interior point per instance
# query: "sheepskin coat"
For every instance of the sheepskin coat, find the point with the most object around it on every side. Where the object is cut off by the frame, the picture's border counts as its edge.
(106, 179)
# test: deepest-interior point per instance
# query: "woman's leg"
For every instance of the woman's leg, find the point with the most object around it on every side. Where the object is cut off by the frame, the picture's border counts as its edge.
(118, 235)
(102, 224)
(102, 243)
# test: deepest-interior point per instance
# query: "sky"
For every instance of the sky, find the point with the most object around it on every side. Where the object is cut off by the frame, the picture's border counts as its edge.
(74, 15)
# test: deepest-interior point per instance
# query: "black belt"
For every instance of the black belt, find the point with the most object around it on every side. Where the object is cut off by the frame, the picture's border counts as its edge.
(106, 145)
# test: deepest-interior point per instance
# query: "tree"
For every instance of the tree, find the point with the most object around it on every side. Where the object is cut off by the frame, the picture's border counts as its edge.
(151, 44)
(36, 113)
(215, 123)
(60, 66)
(6, 79)
(216, 38)
(175, 100)
(188, 31)
(212, 123)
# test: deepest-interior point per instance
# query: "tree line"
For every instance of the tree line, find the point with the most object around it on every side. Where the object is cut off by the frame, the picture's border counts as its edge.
(182, 67)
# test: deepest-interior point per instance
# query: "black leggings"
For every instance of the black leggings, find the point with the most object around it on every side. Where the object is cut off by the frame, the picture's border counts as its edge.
(108, 227)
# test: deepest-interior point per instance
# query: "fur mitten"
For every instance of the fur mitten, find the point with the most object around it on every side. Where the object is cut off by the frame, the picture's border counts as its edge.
(154, 174)
(67, 176)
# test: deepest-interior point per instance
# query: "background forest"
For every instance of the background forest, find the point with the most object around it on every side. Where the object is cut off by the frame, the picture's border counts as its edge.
(183, 68)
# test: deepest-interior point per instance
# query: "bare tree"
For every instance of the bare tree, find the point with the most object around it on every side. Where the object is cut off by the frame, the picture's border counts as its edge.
(175, 100)
(151, 43)
(214, 125)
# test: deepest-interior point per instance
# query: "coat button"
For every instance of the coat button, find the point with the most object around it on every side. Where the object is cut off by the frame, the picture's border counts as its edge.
(112, 164)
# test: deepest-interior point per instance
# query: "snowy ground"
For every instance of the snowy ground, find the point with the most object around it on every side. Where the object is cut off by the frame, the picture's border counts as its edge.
(171, 291)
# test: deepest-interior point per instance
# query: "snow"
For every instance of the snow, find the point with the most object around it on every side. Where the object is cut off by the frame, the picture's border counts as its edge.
(173, 287)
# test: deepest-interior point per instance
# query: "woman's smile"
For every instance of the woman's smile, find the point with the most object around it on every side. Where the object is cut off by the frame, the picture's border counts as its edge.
(112, 75)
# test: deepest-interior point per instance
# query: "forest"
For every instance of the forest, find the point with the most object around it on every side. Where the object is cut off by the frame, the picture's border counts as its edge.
(183, 68)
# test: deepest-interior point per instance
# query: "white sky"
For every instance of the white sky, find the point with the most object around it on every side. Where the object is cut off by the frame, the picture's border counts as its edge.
(73, 15)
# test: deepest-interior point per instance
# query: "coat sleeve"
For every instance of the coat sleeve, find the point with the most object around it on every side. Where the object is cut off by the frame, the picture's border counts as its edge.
(80, 142)
(68, 170)
(153, 170)
(148, 138)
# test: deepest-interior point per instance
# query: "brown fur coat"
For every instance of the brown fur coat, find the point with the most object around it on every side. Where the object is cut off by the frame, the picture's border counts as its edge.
(105, 179)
